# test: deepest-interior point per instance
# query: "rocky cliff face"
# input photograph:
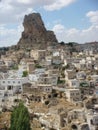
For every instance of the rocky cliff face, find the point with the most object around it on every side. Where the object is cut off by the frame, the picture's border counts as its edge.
(35, 34)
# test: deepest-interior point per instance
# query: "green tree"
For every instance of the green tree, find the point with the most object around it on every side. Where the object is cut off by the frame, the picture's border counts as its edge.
(25, 73)
(38, 66)
(60, 81)
(62, 43)
(20, 119)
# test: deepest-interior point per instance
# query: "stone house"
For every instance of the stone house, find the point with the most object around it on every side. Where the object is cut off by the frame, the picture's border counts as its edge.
(38, 54)
(73, 95)
(82, 63)
(53, 121)
(68, 61)
(48, 80)
(9, 62)
(30, 67)
(48, 60)
(3, 67)
(90, 65)
(56, 60)
(88, 52)
(45, 88)
(23, 65)
(76, 114)
(52, 71)
(70, 74)
(77, 119)
(81, 75)
(73, 83)
(96, 92)
(92, 120)
(87, 91)
(82, 66)
(95, 78)
(1, 62)
(34, 54)
(86, 87)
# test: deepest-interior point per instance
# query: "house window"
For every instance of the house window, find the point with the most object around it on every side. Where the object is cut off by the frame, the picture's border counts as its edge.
(5, 94)
(9, 87)
(73, 84)
(10, 94)
(96, 120)
(96, 79)
(8, 81)
(77, 93)
(72, 94)
(0, 93)
(3, 81)
(19, 82)
(91, 121)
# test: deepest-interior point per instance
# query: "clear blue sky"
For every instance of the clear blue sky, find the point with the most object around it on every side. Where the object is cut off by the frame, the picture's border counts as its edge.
(71, 20)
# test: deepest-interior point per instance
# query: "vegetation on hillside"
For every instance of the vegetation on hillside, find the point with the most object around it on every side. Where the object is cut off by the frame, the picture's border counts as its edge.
(25, 73)
(20, 119)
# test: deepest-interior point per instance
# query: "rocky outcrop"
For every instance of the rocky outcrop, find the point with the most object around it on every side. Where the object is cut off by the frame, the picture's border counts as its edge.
(35, 34)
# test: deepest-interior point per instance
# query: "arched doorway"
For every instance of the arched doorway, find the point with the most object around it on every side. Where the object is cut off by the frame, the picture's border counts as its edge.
(74, 127)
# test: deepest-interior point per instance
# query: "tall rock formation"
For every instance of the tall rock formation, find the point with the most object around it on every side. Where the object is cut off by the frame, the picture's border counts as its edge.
(35, 34)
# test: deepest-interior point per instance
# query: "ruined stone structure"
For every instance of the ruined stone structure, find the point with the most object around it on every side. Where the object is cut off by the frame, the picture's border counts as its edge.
(35, 34)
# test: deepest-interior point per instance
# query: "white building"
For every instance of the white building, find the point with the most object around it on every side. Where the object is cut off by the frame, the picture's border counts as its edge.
(10, 85)
(48, 60)
(92, 119)
(33, 77)
(81, 75)
(74, 83)
(94, 77)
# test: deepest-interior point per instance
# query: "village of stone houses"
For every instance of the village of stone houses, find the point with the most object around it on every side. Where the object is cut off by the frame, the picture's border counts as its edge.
(57, 82)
